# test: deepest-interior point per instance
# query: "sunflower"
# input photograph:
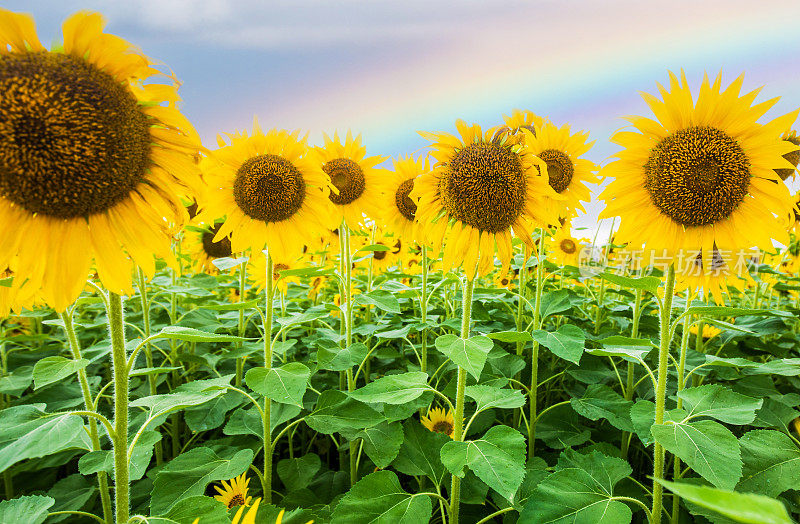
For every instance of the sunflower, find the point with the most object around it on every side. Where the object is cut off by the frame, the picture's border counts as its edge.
(793, 157)
(203, 250)
(479, 193)
(567, 173)
(709, 331)
(91, 162)
(15, 296)
(504, 280)
(355, 177)
(701, 177)
(439, 421)
(272, 193)
(399, 210)
(257, 273)
(234, 492)
(565, 248)
(519, 119)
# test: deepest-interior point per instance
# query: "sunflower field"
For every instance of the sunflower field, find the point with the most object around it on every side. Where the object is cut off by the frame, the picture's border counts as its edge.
(269, 330)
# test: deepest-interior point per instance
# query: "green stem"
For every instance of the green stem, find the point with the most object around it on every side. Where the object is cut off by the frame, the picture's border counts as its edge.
(266, 481)
(344, 235)
(665, 316)
(75, 349)
(240, 324)
(423, 303)
(148, 351)
(119, 361)
(629, 387)
(537, 321)
(676, 466)
(458, 416)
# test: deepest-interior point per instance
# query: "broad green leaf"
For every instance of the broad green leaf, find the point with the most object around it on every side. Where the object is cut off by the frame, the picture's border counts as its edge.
(247, 421)
(708, 447)
(28, 432)
(381, 299)
(226, 263)
(567, 342)
(787, 367)
(771, 463)
(492, 397)
(580, 490)
(335, 411)
(382, 442)
(30, 510)
(535, 472)
(717, 401)
(774, 414)
(212, 414)
(194, 335)
(297, 473)
(723, 311)
(70, 494)
(103, 460)
(210, 511)
(331, 356)
(497, 459)
(249, 304)
(188, 474)
(643, 416)
(52, 369)
(511, 336)
(469, 354)
(307, 272)
(554, 302)
(600, 401)
(629, 354)
(378, 497)
(740, 507)
(285, 384)
(619, 340)
(394, 389)
(164, 404)
(419, 452)
(650, 284)
(374, 247)
(561, 427)
(17, 381)
(310, 314)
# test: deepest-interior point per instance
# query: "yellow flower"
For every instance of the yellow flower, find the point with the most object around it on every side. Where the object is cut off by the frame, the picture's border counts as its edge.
(793, 157)
(234, 492)
(398, 210)
(709, 331)
(203, 249)
(481, 192)
(504, 280)
(564, 248)
(257, 273)
(92, 163)
(519, 120)
(439, 421)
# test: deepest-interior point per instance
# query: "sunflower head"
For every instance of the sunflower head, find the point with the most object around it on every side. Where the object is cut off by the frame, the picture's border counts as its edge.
(709, 331)
(793, 157)
(521, 119)
(439, 421)
(399, 209)
(234, 492)
(564, 248)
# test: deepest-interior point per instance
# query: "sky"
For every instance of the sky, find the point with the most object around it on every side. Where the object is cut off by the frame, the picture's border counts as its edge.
(390, 69)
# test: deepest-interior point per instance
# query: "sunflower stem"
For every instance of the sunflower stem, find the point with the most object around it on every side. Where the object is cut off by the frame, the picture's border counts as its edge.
(629, 386)
(537, 324)
(148, 350)
(676, 465)
(119, 362)
(266, 481)
(423, 310)
(344, 236)
(240, 323)
(665, 316)
(458, 416)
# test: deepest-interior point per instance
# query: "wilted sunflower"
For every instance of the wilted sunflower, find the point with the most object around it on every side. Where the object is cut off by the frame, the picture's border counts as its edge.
(701, 177)
(91, 162)
(479, 193)
(439, 421)
(203, 249)
(563, 248)
(399, 209)
(234, 492)
(270, 191)
(354, 175)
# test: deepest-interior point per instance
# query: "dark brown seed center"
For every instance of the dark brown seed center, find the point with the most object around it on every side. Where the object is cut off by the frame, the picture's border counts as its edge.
(404, 204)
(560, 169)
(348, 177)
(484, 186)
(277, 269)
(697, 176)
(221, 249)
(269, 188)
(568, 246)
(73, 141)
(443, 426)
(793, 157)
(236, 500)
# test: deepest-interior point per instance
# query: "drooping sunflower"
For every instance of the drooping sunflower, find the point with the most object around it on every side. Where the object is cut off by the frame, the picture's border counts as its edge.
(399, 209)
(91, 162)
(203, 249)
(563, 248)
(480, 192)
(439, 421)
(272, 193)
(700, 177)
(234, 492)
(567, 172)
(354, 175)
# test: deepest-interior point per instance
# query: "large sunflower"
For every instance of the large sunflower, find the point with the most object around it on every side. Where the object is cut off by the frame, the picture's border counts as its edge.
(355, 177)
(204, 249)
(270, 191)
(398, 210)
(91, 162)
(482, 190)
(700, 177)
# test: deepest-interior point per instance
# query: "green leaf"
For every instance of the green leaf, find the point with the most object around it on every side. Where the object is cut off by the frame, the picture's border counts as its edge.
(650, 284)
(28, 432)
(286, 384)
(600, 401)
(30, 510)
(297, 473)
(378, 497)
(717, 401)
(381, 299)
(394, 389)
(52, 369)
(249, 304)
(210, 511)
(17, 381)
(708, 447)
(382, 442)
(310, 314)
(70, 493)
(307, 272)
(771, 463)
(631, 354)
(248, 421)
(469, 354)
(226, 263)
(103, 460)
(643, 416)
(561, 427)
(497, 459)
(194, 335)
(164, 404)
(554, 302)
(723, 311)
(492, 397)
(188, 474)
(335, 411)
(374, 247)
(580, 490)
(567, 342)
(740, 507)
(419, 452)
(331, 356)
(511, 336)
(212, 414)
